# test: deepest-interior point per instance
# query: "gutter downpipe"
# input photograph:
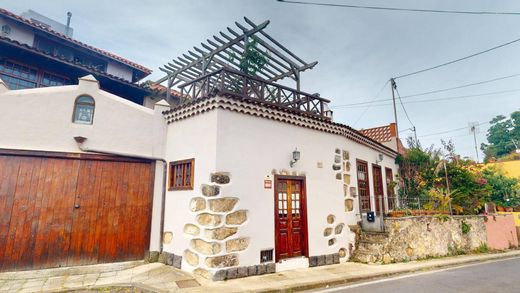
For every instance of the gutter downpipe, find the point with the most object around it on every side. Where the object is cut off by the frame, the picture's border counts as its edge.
(80, 140)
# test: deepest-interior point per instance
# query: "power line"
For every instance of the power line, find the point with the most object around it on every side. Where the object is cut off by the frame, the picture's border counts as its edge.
(406, 113)
(436, 91)
(401, 9)
(458, 60)
(370, 103)
(361, 105)
(451, 130)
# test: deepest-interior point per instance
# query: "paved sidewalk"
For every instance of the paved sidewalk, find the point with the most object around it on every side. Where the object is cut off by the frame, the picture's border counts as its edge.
(156, 277)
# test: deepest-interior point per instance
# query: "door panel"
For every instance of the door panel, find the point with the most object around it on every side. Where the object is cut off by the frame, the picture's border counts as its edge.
(66, 211)
(378, 187)
(290, 219)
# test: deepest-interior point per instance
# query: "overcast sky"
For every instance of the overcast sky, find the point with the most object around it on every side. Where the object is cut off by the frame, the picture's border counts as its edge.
(357, 51)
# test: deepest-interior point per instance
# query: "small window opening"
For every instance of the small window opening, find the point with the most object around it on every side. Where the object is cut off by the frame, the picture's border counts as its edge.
(84, 110)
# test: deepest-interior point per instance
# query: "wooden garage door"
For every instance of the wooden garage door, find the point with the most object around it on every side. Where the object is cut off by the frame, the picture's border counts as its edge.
(58, 211)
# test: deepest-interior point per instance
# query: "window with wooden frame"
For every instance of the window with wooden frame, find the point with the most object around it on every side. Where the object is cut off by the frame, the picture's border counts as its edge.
(363, 185)
(181, 175)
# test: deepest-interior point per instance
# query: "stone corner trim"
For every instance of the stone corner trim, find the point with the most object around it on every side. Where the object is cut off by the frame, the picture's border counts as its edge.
(220, 177)
(242, 272)
(222, 261)
(222, 205)
(322, 260)
(210, 190)
(164, 257)
(236, 218)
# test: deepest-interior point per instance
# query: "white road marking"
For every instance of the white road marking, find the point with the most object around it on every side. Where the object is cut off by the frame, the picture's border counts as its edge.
(411, 275)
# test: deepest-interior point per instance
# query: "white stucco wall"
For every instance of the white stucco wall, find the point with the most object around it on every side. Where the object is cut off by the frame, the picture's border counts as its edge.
(191, 138)
(120, 71)
(41, 119)
(250, 148)
(18, 33)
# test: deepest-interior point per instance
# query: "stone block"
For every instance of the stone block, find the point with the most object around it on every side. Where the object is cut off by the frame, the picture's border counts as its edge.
(147, 256)
(210, 190)
(154, 256)
(331, 219)
(260, 269)
(349, 205)
(337, 159)
(177, 261)
(251, 271)
(197, 204)
(332, 241)
(347, 166)
(162, 258)
(346, 155)
(209, 220)
(220, 178)
(339, 228)
(335, 258)
(169, 259)
(191, 229)
(336, 167)
(237, 244)
(313, 261)
(204, 247)
(191, 257)
(353, 192)
(219, 275)
(222, 205)
(327, 232)
(231, 273)
(329, 259)
(342, 252)
(167, 237)
(236, 218)
(220, 233)
(222, 261)
(337, 151)
(321, 260)
(338, 176)
(270, 268)
(346, 178)
(242, 272)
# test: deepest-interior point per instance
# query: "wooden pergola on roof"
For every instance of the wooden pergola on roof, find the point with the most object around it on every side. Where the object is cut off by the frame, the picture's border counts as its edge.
(217, 53)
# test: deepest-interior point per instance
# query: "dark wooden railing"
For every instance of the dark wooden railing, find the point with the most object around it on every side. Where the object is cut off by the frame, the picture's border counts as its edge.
(229, 82)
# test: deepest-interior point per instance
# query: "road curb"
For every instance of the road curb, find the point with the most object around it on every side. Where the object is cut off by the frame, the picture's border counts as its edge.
(351, 279)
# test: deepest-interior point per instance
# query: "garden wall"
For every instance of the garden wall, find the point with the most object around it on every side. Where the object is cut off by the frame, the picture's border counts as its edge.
(501, 231)
(414, 238)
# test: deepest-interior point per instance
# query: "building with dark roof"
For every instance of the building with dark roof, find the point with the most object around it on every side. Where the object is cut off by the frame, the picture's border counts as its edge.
(36, 54)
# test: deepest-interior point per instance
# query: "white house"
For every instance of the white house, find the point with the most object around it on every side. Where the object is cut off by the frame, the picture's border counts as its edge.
(245, 177)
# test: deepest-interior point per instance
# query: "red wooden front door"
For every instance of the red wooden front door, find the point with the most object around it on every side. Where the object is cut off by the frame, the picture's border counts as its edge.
(290, 218)
(378, 187)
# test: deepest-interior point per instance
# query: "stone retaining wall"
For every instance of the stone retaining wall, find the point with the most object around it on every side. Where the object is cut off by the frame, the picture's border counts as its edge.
(413, 238)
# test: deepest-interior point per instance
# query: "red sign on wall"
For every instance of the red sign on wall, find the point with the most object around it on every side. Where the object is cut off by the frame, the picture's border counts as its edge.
(268, 184)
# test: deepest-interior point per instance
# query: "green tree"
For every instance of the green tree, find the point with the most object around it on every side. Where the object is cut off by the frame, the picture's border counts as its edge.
(500, 136)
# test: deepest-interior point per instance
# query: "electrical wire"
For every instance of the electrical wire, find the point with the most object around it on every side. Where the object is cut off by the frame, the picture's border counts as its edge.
(435, 91)
(401, 9)
(370, 103)
(458, 60)
(451, 130)
(361, 105)
(404, 109)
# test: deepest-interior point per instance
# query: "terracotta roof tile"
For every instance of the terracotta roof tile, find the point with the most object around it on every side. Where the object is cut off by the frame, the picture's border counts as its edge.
(380, 134)
(62, 36)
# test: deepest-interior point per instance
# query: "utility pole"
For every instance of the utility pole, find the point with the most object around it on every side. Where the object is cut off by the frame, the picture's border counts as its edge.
(473, 129)
(394, 86)
(415, 134)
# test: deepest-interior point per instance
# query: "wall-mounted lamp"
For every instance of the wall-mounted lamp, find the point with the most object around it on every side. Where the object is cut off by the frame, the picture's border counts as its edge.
(379, 158)
(295, 157)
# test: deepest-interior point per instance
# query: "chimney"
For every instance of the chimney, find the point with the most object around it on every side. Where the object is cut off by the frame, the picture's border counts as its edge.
(67, 29)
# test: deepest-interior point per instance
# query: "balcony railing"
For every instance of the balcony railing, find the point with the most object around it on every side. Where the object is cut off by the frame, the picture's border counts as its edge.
(229, 82)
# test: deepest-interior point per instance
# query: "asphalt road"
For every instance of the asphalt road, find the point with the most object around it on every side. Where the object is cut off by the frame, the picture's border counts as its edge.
(495, 276)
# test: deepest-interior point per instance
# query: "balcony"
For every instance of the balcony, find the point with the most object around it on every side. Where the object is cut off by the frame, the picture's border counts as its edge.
(228, 82)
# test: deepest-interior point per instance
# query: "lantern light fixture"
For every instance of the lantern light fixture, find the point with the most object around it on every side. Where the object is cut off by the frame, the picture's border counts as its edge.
(295, 157)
